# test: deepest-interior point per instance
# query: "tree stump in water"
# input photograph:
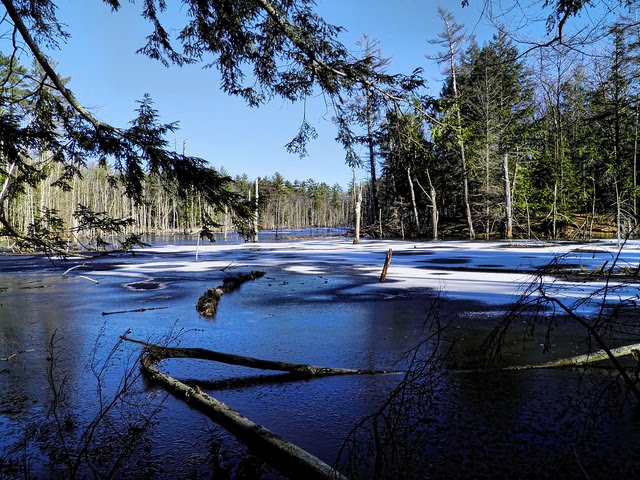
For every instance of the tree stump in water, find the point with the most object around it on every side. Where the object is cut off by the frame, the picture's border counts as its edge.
(387, 262)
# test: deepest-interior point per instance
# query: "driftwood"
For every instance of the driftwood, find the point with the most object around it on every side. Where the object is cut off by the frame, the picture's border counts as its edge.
(387, 261)
(281, 454)
(8, 359)
(208, 303)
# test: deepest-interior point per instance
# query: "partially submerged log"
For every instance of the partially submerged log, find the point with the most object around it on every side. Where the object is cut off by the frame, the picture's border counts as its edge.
(162, 353)
(135, 310)
(208, 303)
(586, 359)
(281, 454)
(285, 456)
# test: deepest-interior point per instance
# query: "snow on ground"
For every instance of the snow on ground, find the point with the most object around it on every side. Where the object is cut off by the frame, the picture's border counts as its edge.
(492, 272)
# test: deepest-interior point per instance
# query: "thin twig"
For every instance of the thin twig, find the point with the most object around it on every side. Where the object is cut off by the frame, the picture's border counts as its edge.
(134, 311)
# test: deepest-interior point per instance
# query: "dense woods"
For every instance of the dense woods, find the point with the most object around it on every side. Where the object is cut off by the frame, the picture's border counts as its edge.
(538, 145)
(535, 143)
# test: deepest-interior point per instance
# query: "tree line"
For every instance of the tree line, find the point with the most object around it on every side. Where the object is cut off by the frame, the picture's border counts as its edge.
(282, 204)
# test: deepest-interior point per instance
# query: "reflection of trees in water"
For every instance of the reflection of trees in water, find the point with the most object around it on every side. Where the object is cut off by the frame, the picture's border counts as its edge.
(389, 443)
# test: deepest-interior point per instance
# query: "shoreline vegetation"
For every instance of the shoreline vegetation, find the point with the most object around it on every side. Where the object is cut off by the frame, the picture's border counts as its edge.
(42, 210)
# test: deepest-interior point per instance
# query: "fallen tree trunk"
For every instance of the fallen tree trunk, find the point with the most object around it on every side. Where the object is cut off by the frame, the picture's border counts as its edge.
(162, 353)
(281, 454)
(586, 359)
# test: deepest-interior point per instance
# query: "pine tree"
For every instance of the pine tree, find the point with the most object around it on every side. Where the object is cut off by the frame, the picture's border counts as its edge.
(497, 106)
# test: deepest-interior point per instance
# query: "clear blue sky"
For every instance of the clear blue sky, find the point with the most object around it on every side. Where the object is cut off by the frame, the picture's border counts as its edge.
(108, 77)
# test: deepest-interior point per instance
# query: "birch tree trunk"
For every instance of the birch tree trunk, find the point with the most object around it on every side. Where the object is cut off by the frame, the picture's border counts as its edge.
(434, 210)
(358, 192)
(413, 200)
(555, 208)
(5, 186)
(255, 217)
(508, 220)
(463, 158)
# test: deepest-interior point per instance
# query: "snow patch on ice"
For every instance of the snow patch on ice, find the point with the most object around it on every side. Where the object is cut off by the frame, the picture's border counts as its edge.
(492, 272)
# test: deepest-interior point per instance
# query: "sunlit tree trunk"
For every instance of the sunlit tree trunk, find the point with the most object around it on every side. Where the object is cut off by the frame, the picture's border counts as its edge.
(413, 200)
(508, 218)
(452, 37)
(255, 213)
(358, 195)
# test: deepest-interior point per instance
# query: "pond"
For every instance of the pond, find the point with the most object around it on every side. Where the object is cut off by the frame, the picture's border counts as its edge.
(312, 308)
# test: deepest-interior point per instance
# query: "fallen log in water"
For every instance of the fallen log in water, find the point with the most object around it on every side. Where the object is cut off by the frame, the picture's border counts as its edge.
(208, 303)
(135, 310)
(281, 454)
(583, 360)
(162, 353)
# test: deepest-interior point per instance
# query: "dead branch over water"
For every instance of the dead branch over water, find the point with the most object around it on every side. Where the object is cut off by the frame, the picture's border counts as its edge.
(283, 455)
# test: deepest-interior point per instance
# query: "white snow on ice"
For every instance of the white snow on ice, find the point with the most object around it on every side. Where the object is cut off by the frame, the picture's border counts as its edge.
(492, 272)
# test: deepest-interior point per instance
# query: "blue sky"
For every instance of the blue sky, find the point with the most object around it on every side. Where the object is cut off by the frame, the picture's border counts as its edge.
(108, 77)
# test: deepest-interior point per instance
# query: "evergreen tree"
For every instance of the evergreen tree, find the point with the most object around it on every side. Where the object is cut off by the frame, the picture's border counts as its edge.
(365, 111)
(450, 118)
(406, 153)
(497, 107)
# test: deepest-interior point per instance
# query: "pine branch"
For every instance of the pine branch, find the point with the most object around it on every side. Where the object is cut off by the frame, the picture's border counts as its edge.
(51, 73)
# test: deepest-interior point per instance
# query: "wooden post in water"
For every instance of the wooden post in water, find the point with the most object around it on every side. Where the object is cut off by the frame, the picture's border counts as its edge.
(387, 261)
